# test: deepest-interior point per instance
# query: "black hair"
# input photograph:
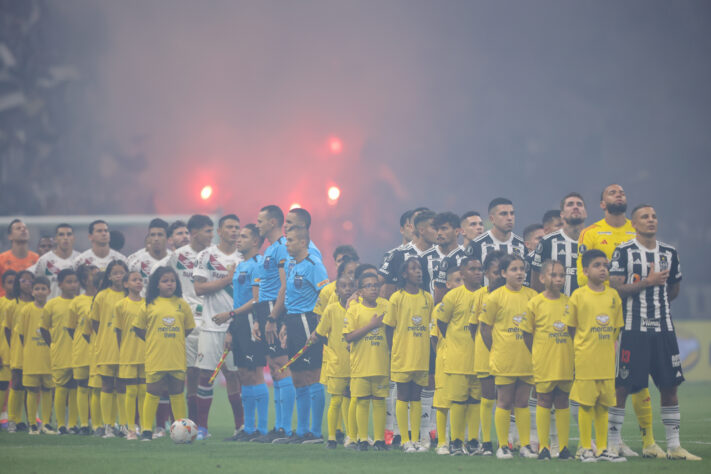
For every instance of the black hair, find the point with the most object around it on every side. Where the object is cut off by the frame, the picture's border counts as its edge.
(499, 201)
(406, 216)
(41, 280)
(492, 257)
(529, 229)
(344, 263)
(570, 195)
(83, 273)
(504, 263)
(346, 250)
(550, 215)
(602, 193)
(363, 276)
(63, 274)
(446, 218)
(303, 215)
(300, 233)
(638, 207)
(468, 214)
(274, 212)
(63, 225)
(403, 270)
(550, 263)
(16, 286)
(116, 240)
(420, 209)
(255, 234)
(125, 279)
(12, 223)
(158, 223)
(199, 221)
(7, 274)
(364, 267)
(93, 224)
(105, 281)
(591, 255)
(175, 226)
(423, 216)
(152, 291)
(226, 217)
(453, 269)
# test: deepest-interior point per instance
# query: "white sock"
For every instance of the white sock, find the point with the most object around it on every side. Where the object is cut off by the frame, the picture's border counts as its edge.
(532, 403)
(671, 417)
(615, 419)
(574, 406)
(390, 420)
(513, 431)
(553, 429)
(425, 417)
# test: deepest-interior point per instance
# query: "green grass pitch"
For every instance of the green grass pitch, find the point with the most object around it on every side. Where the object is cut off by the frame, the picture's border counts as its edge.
(20, 453)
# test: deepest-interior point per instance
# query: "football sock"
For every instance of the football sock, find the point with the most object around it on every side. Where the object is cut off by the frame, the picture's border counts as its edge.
(585, 419)
(131, 398)
(163, 413)
(416, 419)
(150, 408)
(288, 400)
(114, 407)
(334, 409)
(642, 404)
(574, 406)
(192, 407)
(401, 413)
(96, 416)
(459, 414)
(513, 431)
(474, 419)
(362, 416)
(141, 399)
(671, 418)
(532, 405)
(83, 405)
(60, 405)
(601, 427)
(425, 412)
(390, 401)
(249, 403)
(615, 419)
(523, 424)
(32, 405)
(318, 403)
(121, 400)
(237, 409)
(303, 406)
(3, 394)
(107, 400)
(562, 424)
(47, 406)
(73, 409)
(442, 426)
(352, 424)
(177, 404)
(344, 413)
(278, 417)
(543, 424)
(487, 405)
(14, 405)
(502, 420)
(261, 397)
(204, 400)
(378, 419)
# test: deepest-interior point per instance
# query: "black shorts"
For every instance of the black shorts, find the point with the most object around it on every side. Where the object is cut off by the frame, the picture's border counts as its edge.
(642, 354)
(262, 311)
(298, 329)
(248, 353)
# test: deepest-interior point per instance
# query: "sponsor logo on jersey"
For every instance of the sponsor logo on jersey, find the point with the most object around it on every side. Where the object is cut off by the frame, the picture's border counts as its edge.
(602, 319)
(559, 326)
(298, 281)
(185, 263)
(417, 320)
(519, 318)
(168, 321)
(214, 264)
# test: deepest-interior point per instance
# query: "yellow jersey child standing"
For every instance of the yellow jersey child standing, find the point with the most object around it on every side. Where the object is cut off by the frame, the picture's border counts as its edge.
(22, 297)
(8, 280)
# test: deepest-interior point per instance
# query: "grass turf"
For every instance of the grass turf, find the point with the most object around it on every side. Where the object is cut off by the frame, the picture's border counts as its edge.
(56, 454)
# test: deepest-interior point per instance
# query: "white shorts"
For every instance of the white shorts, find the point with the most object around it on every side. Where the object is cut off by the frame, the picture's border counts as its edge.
(210, 346)
(191, 347)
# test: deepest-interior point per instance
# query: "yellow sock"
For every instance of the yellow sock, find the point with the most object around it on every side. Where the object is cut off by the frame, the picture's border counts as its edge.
(32, 405)
(344, 414)
(107, 400)
(141, 400)
(83, 405)
(96, 415)
(362, 417)
(473, 419)
(600, 428)
(642, 404)
(3, 394)
(379, 415)
(562, 422)
(73, 408)
(352, 424)
(523, 424)
(401, 409)
(60, 405)
(121, 400)
(487, 405)
(458, 421)
(585, 420)
(114, 407)
(543, 426)
(46, 406)
(415, 420)
(131, 397)
(501, 420)
(177, 404)
(442, 426)
(334, 413)
(15, 404)
(150, 407)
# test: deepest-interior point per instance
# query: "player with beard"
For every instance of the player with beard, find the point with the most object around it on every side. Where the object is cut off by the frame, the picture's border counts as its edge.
(156, 250)
(178, 235)
(472, 226)
(606, 235)
(56, 260)
(447, 225)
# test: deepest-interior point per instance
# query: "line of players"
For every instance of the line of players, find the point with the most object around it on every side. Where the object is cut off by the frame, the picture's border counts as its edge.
(261, 292)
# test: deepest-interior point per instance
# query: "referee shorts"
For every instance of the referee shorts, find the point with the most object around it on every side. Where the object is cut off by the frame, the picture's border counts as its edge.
(248, 352)
(298, 329)
(262, 310)
(642, 354)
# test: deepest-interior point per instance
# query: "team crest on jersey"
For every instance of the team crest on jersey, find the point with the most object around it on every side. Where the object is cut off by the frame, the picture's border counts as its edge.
(185, 263)
(168, 321)
(517, 251)
(519, 318)
(624, 372)
(214, 264)
(417, 320)
(582, 248)
(663, 263)
(374, 331)
(616, 254)
(145, 269)
(268, 261)
(559, 326)
(602, 319)
(298, 281)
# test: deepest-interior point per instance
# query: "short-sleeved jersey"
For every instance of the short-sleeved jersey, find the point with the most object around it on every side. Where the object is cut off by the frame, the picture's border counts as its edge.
(602, 236)
(13, 319)
(505, 311)
(451, 260)
(50, 264)
(410, 315)
(304, 281)
(55, 318)
(481, 353)
(333, 320)
(486, 243)
(36, 357)
(105, 345)
(242, 280)
(325, 298)
(394, 260)
(267, 276)
(126, 313)
(8, 261)
(648, 310)
(527, 261)
(557, 246)
(456, 309)
(79, 322)
(387, 269)
(596, 317)
(552, 351)
(88, 257)
(212, 265)
(4, 344)
(165, 321)
(144, 263)
(183, 261)
(369, 354)
(430, 261)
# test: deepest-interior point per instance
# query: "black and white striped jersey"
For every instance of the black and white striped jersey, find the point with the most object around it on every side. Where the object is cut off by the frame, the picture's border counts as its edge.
(394, 259)
(649, 309)
(559, 247)
(527, 260)
(486, 243)
(430, 260)
(453, 259)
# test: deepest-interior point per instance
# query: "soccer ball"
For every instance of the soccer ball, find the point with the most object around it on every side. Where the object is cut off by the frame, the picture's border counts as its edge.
(183, 431)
